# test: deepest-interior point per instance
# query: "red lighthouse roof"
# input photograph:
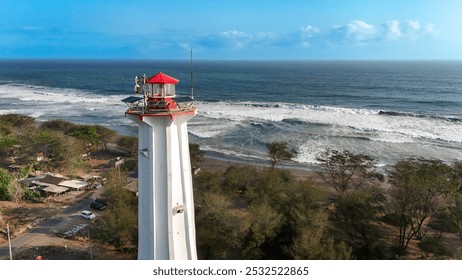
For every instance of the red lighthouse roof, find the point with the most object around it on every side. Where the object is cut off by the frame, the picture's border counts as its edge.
(161, 78)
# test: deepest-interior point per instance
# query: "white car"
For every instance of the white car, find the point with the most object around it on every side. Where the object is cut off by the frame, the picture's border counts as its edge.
(87, 215)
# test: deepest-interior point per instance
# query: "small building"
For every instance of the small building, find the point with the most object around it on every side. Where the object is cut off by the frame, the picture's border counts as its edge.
(118, 161)
(53, 184)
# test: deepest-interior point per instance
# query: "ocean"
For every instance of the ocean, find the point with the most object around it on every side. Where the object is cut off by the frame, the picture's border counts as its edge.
(390, 110)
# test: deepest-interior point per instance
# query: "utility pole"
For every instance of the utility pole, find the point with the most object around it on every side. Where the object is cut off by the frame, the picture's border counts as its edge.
(9, 240)
(191, 72)
(89, 244)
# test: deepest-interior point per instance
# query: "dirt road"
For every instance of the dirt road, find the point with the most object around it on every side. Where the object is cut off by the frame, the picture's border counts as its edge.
(47, 238)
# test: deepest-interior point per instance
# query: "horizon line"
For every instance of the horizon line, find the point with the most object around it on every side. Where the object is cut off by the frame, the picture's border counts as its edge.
(223, 59)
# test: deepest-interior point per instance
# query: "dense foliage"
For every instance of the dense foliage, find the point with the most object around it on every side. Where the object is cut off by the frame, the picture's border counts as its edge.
(261, 214)
(251, 212)
(118, 226)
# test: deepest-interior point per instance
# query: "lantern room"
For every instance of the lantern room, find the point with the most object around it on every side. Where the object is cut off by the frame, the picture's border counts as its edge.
(162, 86)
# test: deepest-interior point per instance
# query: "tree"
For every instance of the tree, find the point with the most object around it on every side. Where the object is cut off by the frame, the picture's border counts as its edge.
(5, 129)
(6, 142)
(17, 121)
(312, 243)
(457, 196)
(219, 227)
(62, 153)
(345, 171)
(10, 189)
(280, 151)
(354, 213)
(118, 226)
(196, 155)
(450, 218)
(416, 193)
(59, 125)
(239, 178)
(88, 134)
(105, 135)
(265, 223)
(129, 144)
(5, 181)
(48, 143)
(206, 181)
(303, 227)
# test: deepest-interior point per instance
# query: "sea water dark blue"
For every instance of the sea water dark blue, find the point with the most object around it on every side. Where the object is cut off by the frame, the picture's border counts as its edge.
(388, 109)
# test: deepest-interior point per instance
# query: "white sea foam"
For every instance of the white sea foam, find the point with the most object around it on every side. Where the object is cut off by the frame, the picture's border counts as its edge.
(205, 128)
(388, 128)
(311, 148)
(59, 102)
(50, 95)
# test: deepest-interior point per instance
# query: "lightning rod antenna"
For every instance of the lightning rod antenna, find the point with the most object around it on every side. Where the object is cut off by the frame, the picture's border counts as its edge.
(191, 71)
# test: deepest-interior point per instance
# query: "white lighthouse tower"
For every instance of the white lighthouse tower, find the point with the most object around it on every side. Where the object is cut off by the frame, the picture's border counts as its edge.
(166, 228)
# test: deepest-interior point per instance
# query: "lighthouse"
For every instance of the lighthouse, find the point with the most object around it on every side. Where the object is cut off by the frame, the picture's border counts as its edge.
(166, 228)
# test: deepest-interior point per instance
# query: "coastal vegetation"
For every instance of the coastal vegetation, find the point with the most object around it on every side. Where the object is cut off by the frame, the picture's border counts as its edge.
(279, 151)
(348, 210)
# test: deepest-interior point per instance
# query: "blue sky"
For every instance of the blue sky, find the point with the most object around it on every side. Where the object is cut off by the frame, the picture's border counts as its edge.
(233, 29)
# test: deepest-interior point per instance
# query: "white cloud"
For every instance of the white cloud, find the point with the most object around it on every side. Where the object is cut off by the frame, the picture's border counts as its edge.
(234, 34)
(392, 30)
(237, 38)
(266, 38)
(430, 29)
(413, 30)
(309, 31)
(359, 31)
(355, 32)
(413, 24)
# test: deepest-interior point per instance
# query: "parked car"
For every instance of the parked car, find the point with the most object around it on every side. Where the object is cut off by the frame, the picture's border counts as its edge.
(87, 215)
(101, 201)
(97, 205)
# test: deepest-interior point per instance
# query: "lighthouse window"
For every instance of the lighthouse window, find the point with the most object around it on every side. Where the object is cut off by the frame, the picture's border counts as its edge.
(170, 90)
(157, 89)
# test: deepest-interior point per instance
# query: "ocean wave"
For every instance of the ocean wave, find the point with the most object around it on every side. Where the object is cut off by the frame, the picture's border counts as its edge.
(401, 114)
(44, 103)
(394, 126)
(55, 95)
(206, 128)
(240, 156)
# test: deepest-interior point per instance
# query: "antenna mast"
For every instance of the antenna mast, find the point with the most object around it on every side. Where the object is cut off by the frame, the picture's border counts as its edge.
(192, 83)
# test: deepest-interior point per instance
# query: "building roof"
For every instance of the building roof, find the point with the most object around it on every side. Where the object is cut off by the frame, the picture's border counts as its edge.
(161, 78)
(55, 189)
(51, 179)
(73, 184)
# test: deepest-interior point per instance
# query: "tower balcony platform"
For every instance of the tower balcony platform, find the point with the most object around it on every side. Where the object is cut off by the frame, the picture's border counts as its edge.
(160, 107)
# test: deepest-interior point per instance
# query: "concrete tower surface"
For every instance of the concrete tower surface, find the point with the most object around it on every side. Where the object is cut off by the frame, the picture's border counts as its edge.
(166, 228)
